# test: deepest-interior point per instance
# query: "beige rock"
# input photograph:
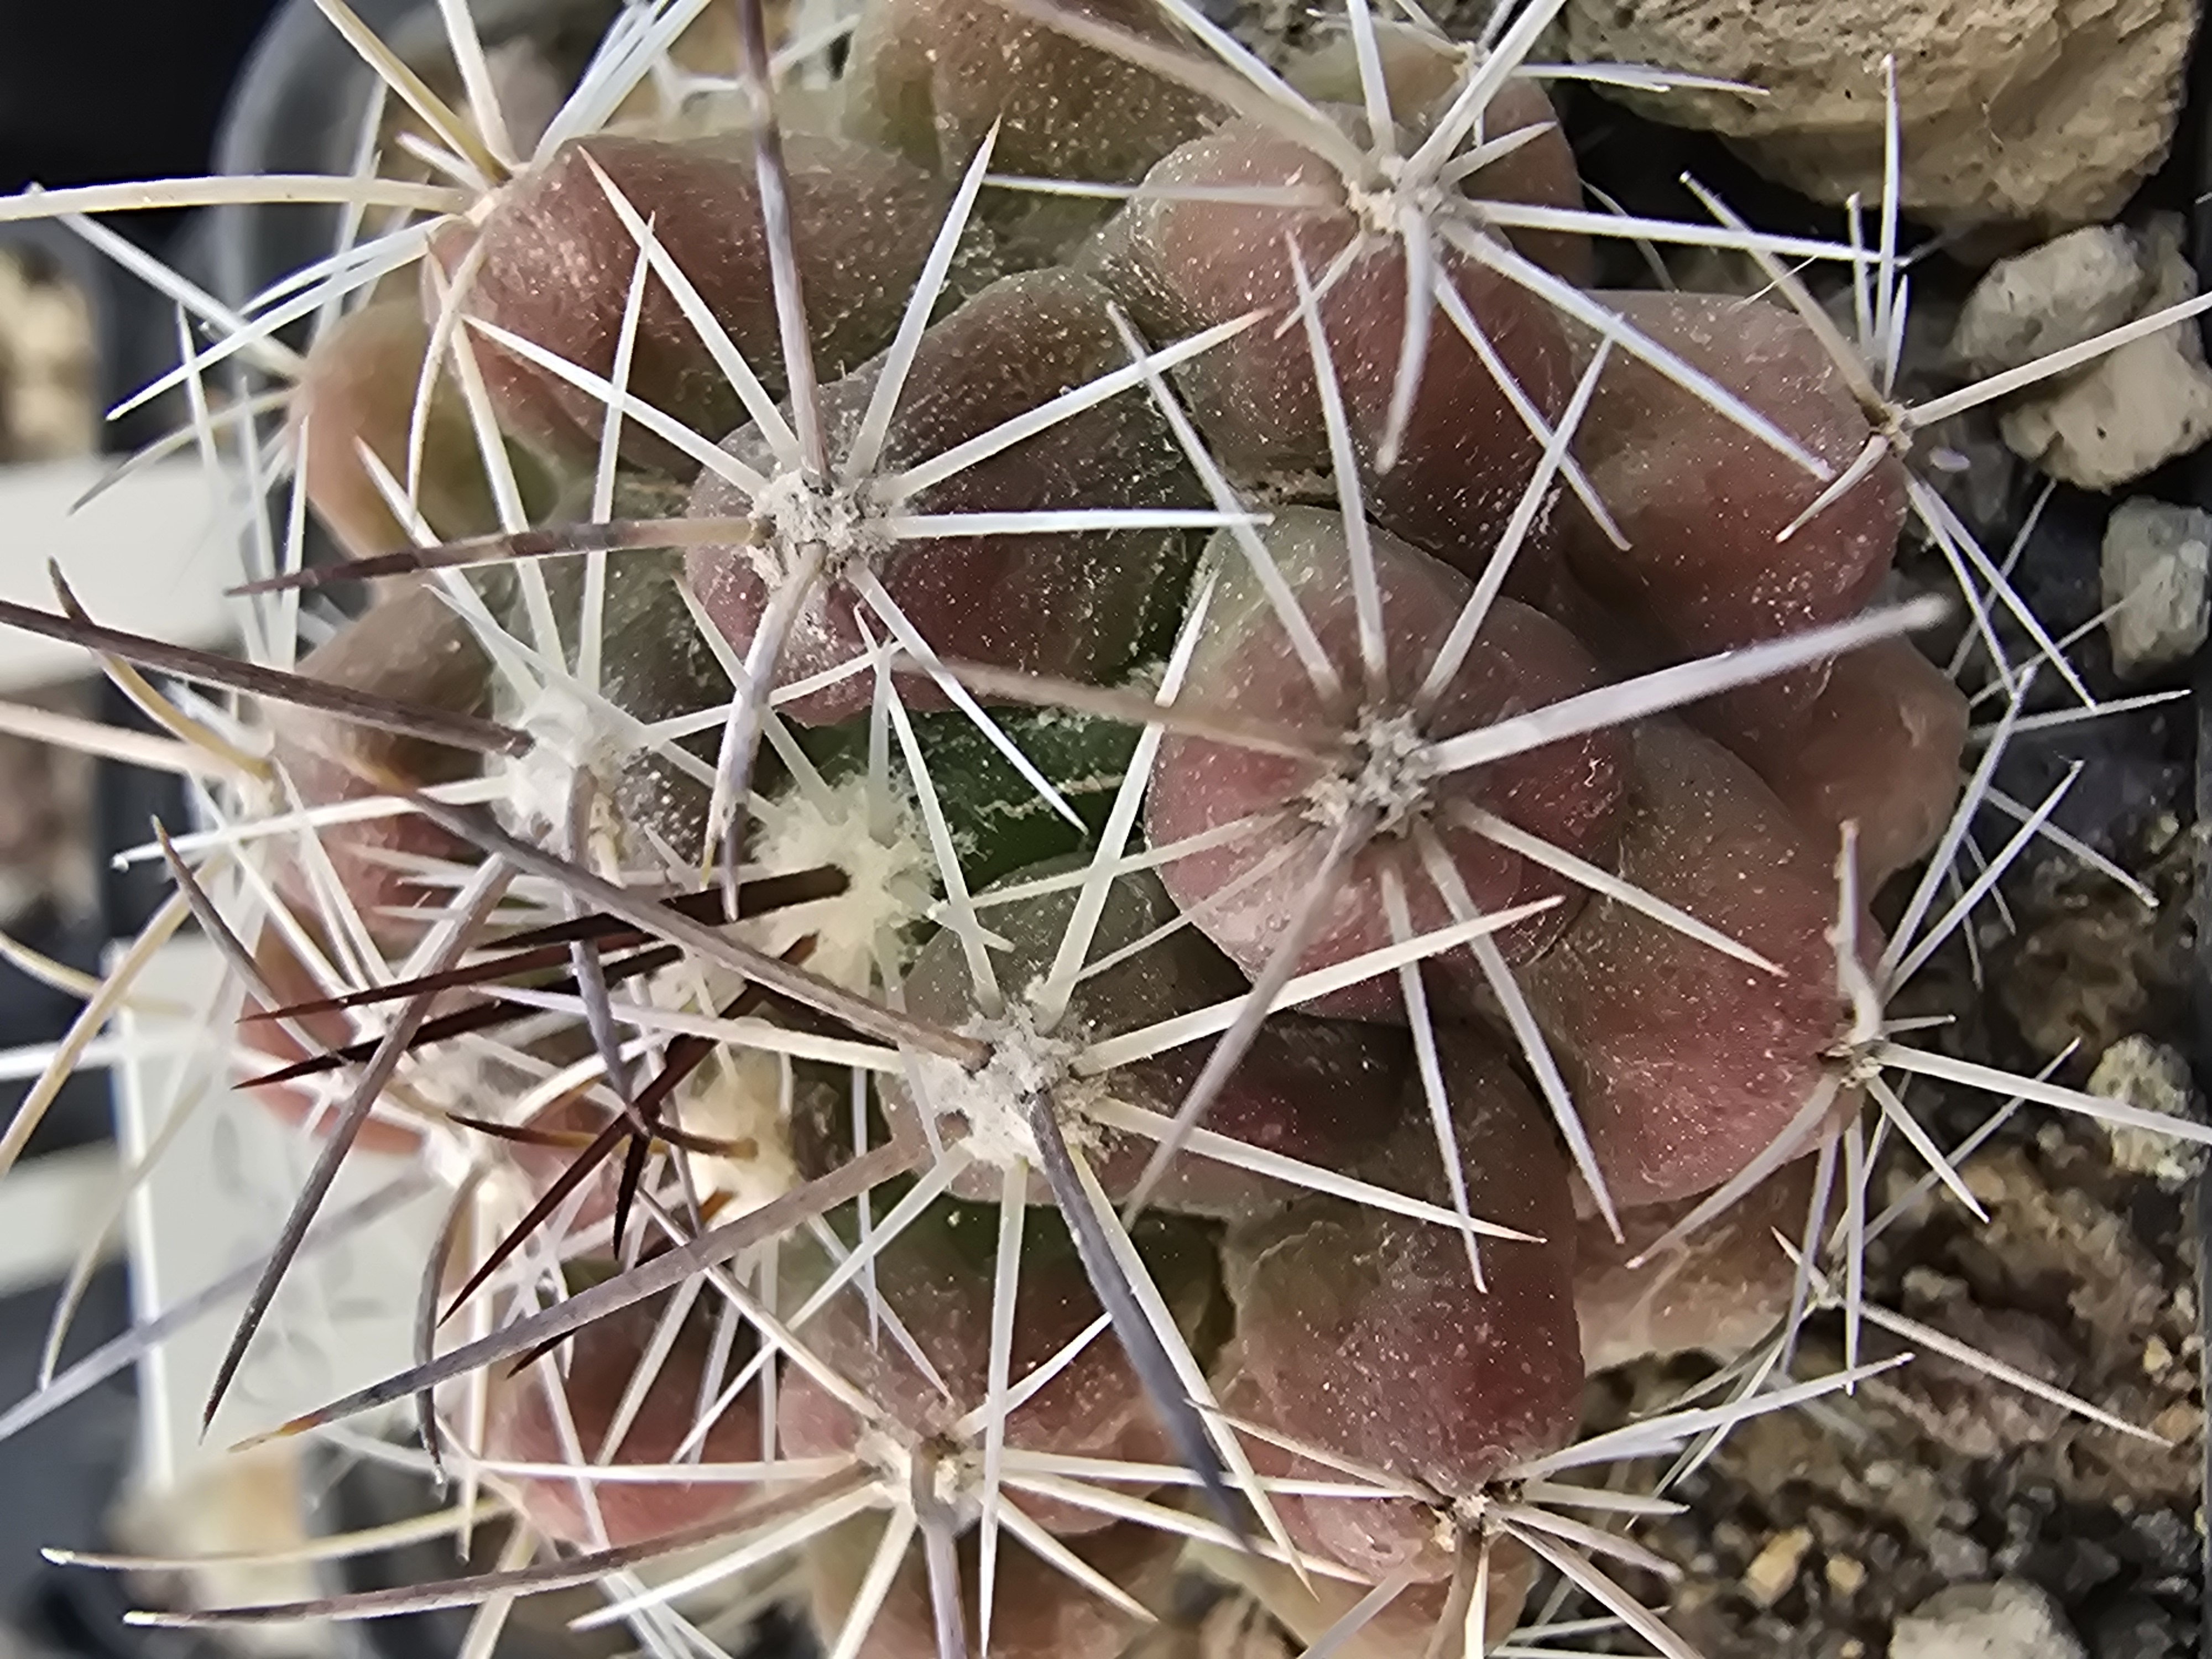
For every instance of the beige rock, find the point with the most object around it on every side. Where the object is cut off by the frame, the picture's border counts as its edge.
(1846, 1574)
(2042, 111)
(2153, 572)
(2152, 1077)
(2133, 408)
(2050, 298)
(1774, 1569)
(2009, 1620)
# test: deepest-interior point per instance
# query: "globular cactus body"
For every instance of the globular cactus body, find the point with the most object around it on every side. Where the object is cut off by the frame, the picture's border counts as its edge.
(1270, 850)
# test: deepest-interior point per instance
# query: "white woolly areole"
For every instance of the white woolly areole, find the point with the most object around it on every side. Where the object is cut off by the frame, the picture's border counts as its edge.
(992, 1101)
(1393, 779)
(887, 1453)
(1401, 204)
(953, 1481)
(843, 521)
(568, 737)
(889, 876)
(741, 1100)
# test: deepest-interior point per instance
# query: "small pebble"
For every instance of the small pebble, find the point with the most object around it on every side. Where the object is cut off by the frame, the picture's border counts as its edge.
(1957, 1557)
(2165, 1540)
(1846, 1575)
(1832, 1528)
(2154, 566)
(2137, 406)
(1986, 1183)
(2178, 1422)
(2049, 298)
(2009, 1620)
(1774, 1569)
(2151, 1076)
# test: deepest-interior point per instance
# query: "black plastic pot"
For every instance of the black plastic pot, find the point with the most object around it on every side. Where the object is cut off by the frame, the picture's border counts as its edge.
(298, 107)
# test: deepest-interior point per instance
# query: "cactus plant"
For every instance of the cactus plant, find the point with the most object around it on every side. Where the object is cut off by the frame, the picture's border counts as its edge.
(1173, 821)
